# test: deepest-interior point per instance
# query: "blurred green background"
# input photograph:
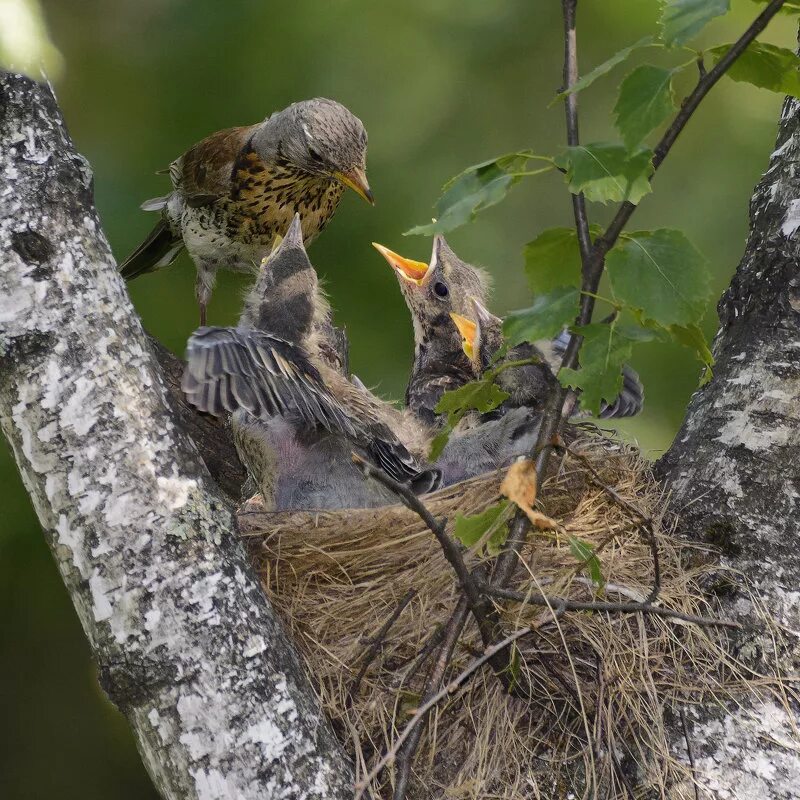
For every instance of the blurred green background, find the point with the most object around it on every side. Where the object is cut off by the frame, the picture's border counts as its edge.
(439, 84)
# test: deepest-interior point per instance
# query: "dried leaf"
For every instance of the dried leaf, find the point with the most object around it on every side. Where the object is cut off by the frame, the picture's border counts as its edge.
(519, 486)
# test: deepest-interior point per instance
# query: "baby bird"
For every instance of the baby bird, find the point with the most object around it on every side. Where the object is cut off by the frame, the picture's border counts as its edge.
(297, 418)
(530, 385)
(238, 189)
(431, 292)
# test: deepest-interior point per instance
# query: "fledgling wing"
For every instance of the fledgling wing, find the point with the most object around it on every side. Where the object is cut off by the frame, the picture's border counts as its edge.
(203, 173)
(229, 368)
(630, 400)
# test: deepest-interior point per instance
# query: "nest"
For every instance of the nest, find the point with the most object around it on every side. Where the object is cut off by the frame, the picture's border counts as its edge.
(600, 681)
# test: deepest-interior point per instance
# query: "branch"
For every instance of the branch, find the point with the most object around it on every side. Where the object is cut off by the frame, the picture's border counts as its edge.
(186, 643)
(618, 608)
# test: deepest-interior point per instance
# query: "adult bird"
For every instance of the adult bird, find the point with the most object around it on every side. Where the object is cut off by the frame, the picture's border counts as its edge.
(297, 418)
(237, 190)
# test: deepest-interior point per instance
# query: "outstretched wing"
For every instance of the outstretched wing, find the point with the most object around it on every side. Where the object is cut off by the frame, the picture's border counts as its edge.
(231, 368)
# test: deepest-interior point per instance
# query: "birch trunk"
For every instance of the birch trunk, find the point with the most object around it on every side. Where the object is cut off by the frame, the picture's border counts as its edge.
(186, 644)
(734, 471)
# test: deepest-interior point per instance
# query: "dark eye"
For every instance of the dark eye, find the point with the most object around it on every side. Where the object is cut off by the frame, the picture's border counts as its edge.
(441, 289)
(315, 155)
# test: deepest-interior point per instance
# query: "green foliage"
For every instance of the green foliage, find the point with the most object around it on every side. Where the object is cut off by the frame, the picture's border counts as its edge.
(764, 65)
(681, 20)
(476, 188)
(607, 172)
(645, 101)
(661, 276)
(692, 336)
(553, 259)
(584, 552)
(469, 530)
(604, 68)
(605, 348)
(482, 395)
(545, 318)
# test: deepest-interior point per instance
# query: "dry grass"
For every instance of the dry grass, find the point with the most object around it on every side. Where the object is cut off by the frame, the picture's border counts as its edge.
(601, 681)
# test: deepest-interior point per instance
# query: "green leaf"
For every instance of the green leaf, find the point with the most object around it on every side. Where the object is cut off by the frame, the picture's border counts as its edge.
(606, 171)
(545, 318)
(470, 529)
(553, 259)
(604, 68)
(764, 65)
(645, 101)
(605, 348)
(439, 443)
(476, 188)
(692, 336)
(481, 395)
(683, 19)
(661, 276)
(584, 552)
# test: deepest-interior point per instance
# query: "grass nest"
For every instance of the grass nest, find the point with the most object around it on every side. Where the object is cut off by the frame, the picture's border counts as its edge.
(600, 683)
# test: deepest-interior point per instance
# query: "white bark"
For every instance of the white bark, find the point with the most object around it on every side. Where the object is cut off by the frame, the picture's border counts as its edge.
(734, 469)
(187, 645)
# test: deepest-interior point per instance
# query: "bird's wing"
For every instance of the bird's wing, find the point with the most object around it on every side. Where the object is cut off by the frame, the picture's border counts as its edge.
(630, 400)
(229, 368)
(203, 173)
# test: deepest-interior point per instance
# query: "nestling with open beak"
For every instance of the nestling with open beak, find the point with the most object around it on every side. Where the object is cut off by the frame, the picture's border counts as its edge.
(432, 291)
(236, 191)
(530, 385)
(296, 417)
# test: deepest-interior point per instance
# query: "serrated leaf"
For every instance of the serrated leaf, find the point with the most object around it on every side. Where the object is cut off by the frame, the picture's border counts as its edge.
(470, 529)
(476, 188)
(545, 318)
(764, 65)
(692, 336)
(645, 101)
(605, 171)
(683, 19)
(604, 68)
(553, 259)
(584, 553)
(661, 276)
(480, 395)
(605, 348)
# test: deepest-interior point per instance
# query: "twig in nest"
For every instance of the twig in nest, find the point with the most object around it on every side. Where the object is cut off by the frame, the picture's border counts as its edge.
(689, 751)
(619, 608)
(452, 632)
(477, 604)
(376, 645)
(451, 687)
(647, 522)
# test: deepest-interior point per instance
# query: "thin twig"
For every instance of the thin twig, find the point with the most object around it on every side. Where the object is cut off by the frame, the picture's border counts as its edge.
(477, 603)
(619, 608)
(451, 687)
(376, 645)
(689, 752)
(405, 757)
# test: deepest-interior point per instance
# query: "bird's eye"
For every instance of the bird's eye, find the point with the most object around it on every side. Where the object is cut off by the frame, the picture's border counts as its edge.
(441, 289)
(315, 155)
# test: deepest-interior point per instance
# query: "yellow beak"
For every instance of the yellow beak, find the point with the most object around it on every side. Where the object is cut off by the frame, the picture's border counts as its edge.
(468, 329)
(357, 181)
(411, 271)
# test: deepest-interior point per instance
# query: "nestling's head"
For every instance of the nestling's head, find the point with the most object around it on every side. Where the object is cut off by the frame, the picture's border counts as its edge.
(481, 334)
(286, 299)
(319, 137)
(432, 291)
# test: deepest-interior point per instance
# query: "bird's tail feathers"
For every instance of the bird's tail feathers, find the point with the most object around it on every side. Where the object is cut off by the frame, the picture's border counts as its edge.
(158, 250)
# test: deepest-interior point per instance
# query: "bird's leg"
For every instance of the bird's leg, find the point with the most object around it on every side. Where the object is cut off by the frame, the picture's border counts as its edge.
(202, 289)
